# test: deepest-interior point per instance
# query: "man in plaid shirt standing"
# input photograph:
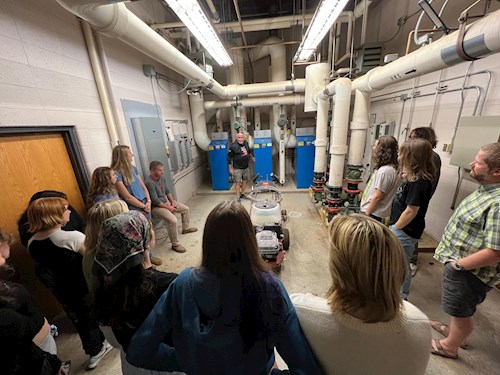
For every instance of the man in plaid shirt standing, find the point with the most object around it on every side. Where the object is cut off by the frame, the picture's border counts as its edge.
(470, 250)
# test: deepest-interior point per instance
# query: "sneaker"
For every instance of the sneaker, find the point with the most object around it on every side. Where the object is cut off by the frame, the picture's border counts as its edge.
(94, 360)
(413, 269)
(190, 230)
(156, 261)
(179, 248)
(243, 196)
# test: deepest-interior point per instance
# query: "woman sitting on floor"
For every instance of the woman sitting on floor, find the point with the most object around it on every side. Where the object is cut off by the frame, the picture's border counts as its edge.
(363, 326)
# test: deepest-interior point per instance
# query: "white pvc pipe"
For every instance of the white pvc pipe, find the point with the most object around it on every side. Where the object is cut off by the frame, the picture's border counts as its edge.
(359, 127)
(282, 161)
(482, 38)
(317, 76)
(257, 118)
(297, 85)
(116, 21)
(218, 120)
(261, 24)
(321, 136)
(201, 137)
(100, 83)
(260, 101)
(339, 128)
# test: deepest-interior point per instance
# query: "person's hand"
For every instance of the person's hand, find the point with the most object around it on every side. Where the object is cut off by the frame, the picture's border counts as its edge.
(147, 207)
(64, 369)
(231, 170)
(171, 208)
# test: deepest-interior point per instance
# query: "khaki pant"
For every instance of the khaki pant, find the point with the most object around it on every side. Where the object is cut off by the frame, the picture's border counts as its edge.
(171, 220)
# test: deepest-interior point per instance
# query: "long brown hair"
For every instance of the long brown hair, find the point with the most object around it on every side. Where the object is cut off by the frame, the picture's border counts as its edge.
(121, 163)
(46, 213)
(415, 160)
(230, 252)
(368, 267)
(386, 152)
(100, 184)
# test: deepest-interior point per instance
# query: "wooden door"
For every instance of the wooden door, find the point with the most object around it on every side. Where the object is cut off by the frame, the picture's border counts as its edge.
(31, 163)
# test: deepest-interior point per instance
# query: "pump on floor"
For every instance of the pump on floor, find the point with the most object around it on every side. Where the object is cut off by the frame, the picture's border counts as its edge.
(263, 153)
(217, 151)
(304, 157)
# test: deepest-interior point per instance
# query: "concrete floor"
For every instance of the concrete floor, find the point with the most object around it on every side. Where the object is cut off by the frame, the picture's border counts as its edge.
(306, 270)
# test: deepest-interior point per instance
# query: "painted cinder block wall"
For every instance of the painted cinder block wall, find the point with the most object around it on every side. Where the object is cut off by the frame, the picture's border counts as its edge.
(46, 79)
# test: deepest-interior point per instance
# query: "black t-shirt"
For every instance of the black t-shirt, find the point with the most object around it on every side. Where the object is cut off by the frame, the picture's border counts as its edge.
(417, 193)
(239, 155)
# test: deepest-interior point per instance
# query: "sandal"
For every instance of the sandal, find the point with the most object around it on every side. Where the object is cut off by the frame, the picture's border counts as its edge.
(443, 329)
(441, 351)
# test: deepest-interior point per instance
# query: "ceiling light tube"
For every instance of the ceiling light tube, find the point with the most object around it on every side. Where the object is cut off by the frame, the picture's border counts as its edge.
(326, 14)
(191, 14)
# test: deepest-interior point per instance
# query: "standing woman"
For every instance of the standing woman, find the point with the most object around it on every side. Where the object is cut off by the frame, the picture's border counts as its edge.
(96, 215)
(378, 194)
(102, 186)
(129, 183)
(412, 198)
(228, 315)
(58, 254)
(128, 286)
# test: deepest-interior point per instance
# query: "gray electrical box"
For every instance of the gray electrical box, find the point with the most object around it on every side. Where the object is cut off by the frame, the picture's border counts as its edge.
(150, 141)
(175, 155)
(473, 133)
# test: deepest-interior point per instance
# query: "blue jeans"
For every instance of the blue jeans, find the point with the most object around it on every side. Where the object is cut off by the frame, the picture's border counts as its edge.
(408, 244)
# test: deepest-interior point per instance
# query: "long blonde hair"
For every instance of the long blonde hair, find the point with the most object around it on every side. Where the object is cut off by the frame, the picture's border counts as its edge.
(415, 160)
(121, 163)
(99, 213)
(368, 267)
(46, 213)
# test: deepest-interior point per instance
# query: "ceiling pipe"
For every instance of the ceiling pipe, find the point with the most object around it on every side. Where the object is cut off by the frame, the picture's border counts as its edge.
(213, 11)
(261, 24)
(295, 86)
(481, 39)
(236, 75)
(116, 21)
(293, 99)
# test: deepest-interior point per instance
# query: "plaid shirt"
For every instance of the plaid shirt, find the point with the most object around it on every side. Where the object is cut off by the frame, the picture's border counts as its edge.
(474, 226)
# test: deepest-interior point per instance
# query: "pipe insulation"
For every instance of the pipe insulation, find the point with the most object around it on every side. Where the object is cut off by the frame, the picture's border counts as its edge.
(116, 21)
(321, 136)
(101, 84)
(482, 38)
(339, 126)
(317, 77)
(260, 101)
(359, 127)
(199, 122)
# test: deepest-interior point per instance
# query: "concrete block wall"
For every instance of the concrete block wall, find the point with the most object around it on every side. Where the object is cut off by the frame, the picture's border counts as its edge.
(46, 79)
(446, 113)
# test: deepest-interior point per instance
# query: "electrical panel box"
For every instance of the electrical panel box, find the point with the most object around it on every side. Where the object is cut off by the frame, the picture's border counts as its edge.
(378, 130)
(473, 132)
(263, 153)
(181, 141)
(150, 139)
(217, 152)
(175, 155)
(304, 157)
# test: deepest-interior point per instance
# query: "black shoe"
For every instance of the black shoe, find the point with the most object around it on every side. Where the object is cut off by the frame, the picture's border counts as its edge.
(243, 196)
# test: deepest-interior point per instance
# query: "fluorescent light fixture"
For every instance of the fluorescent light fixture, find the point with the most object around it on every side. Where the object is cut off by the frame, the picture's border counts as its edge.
(191, 14)
(431, 13)
(326, 14)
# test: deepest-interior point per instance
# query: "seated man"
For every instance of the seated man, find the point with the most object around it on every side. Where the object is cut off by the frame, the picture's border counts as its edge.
(164, 206)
